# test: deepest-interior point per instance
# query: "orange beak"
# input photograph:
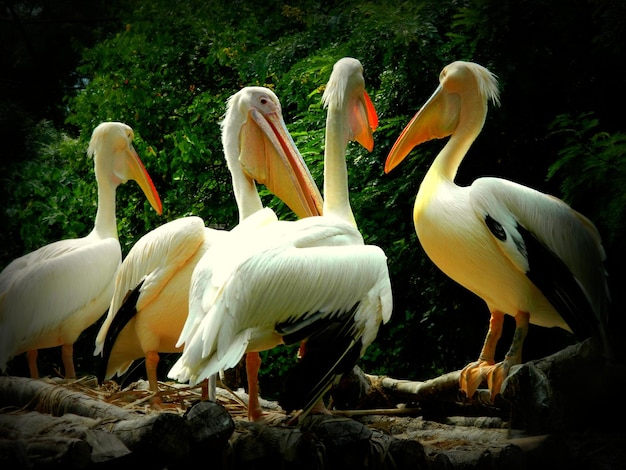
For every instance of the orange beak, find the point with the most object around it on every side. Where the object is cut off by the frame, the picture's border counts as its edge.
(364, 121)
(437, 119)
(138, 173)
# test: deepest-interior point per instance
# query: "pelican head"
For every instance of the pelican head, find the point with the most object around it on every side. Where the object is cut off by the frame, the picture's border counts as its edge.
(265, 151)
(115, 139)
(345, 92)
(464, 87)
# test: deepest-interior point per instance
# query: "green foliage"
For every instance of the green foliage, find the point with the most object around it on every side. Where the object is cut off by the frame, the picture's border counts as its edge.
(274, 369)
(38, 193)
(592, 161)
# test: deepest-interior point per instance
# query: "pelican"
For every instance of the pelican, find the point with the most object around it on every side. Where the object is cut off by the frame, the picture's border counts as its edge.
(525, 253)
(311, 280)
(151, 298)
(49, 296)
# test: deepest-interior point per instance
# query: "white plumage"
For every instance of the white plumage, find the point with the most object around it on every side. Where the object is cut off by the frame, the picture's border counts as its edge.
(317, 265)
(48, 297)
(149, 303)
(525, 253)
(157, 270)
(313, 279)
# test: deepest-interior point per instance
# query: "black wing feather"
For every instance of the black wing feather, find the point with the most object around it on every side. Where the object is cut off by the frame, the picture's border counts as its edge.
(331, 350)
(126, 313)
(555, 280)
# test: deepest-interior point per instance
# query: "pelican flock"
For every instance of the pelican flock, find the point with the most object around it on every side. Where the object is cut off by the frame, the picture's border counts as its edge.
(525, 253)
(50, 296)
(311, 280)
(150, 302)
(216, 296)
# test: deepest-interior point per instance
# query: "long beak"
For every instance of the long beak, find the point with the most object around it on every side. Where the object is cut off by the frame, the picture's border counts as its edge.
(437, 119)
(138, 173)
(279, 166)
(364, 121)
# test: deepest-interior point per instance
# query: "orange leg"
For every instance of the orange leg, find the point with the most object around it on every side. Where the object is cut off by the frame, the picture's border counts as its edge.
(152, 361)
(207, 389)
(67, 355)
(301, 349)
(476, 372)
(253, 365)
(31, 356)
(496, 376)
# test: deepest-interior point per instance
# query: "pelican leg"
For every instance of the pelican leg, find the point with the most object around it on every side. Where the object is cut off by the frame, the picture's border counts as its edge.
(67, 355)
(301, 350)
(209, 388)
(152, 361)
(477, 372)
(497, 374)
(253, 365)
(31, 356)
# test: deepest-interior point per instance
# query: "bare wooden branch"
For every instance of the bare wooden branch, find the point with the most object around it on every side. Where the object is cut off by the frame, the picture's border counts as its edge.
(70, 439)
(45, 452)
(566, 389)
(437, 397)
(323, 441)
(552, 393)
(445, 387)
(452, 446)
(394, 423)
(47, 397)
(210, 425)
(165, 434)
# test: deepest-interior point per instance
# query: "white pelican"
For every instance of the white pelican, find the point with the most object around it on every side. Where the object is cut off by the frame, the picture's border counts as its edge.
(309, 280)
(49, 296)
(525, 253)
(151, 298)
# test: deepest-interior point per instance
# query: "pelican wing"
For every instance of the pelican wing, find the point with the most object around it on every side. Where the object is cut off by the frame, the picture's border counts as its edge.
(555, 246)
(204, 280)
(153, 261)
(30, 302)
(284, 281)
